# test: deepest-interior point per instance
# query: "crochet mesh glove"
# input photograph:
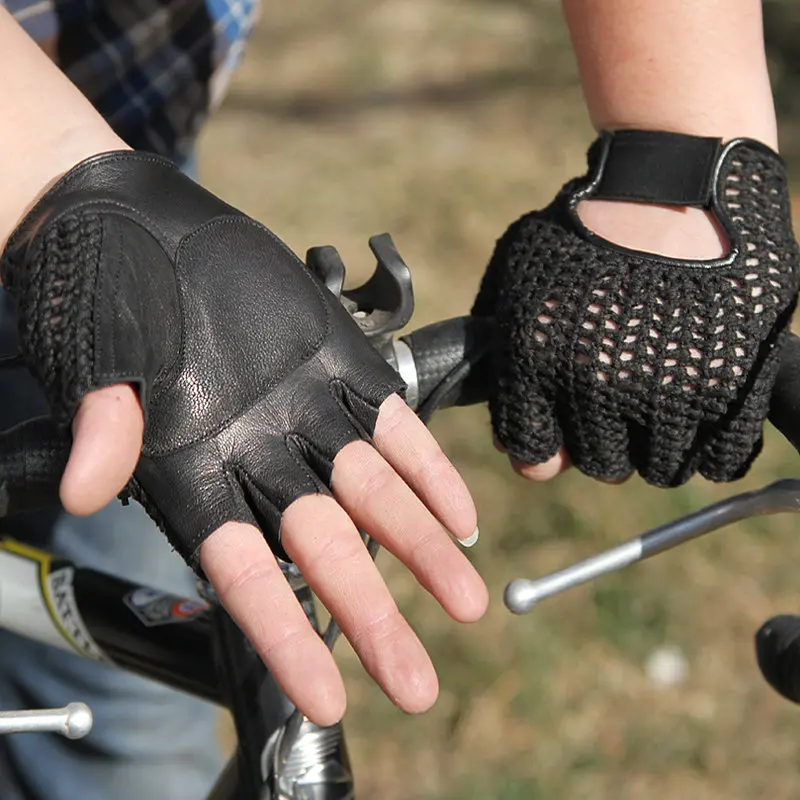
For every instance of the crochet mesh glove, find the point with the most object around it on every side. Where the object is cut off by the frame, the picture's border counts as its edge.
(633, 361)
(251, 375)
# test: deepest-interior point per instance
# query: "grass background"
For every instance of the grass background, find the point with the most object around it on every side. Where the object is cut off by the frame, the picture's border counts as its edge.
(442, 121)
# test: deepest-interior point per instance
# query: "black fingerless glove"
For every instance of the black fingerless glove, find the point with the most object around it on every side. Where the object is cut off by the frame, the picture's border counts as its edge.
(251, 375)
(633, 361)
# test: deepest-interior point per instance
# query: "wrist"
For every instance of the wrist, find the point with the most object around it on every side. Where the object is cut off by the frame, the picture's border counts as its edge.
(694, 68)
(47, 125)
(35, 170)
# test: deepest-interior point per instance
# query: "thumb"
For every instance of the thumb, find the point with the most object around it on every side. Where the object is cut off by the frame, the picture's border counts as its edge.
(106, 442)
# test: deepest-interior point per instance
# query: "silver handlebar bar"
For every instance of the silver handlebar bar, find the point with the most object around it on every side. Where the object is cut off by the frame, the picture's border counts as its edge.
(522, 595)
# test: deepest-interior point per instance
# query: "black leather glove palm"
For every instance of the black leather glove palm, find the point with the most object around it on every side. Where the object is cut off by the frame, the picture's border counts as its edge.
(633, 361)
(251, 375)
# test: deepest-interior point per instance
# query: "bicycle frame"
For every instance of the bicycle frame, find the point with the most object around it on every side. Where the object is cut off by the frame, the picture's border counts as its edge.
(188, 644)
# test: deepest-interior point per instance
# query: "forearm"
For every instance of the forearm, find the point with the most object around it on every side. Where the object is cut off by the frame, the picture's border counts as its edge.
(677, 65)
(47, 126)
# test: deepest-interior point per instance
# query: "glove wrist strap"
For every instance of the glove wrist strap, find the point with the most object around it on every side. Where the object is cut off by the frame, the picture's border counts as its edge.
(657, 167)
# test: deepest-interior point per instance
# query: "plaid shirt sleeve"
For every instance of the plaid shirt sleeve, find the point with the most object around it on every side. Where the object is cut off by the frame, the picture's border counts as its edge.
(153, 68)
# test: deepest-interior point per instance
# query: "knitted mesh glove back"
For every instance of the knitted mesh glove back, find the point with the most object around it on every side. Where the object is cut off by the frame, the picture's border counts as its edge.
(251, 375)
(633, 361)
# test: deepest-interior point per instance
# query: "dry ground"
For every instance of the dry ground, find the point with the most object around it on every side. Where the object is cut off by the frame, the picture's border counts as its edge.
(441, 121)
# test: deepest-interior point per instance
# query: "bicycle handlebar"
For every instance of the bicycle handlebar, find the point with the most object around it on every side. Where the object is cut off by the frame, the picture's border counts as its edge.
(446, 364)
(439, 351)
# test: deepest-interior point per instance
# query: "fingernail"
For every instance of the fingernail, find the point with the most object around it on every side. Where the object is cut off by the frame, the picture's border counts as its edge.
(470, 540)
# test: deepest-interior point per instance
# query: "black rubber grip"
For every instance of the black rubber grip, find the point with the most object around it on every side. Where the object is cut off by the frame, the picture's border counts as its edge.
(442, 348)
(778, 654)
(778, 640)
(33, 456)
(784, 412)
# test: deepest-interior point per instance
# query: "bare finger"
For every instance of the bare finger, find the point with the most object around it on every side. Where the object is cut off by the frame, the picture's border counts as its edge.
(107, 440)
(378, 501)
(322, 540)
(252, 588)
(404, 441)
(545, 471)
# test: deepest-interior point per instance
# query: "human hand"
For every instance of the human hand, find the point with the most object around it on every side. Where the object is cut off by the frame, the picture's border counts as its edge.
(260, 397)
(655, 351)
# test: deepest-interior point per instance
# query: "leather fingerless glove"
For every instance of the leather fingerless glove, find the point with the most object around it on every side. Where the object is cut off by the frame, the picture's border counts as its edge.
(634, 361)
(250, 373)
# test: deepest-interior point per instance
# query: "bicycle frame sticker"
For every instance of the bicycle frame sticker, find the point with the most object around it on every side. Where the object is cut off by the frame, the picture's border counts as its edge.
(65, 613)
(152, 607)
(37, 600)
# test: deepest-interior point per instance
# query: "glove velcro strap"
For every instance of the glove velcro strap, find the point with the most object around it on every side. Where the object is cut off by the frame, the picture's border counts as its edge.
(658, 167)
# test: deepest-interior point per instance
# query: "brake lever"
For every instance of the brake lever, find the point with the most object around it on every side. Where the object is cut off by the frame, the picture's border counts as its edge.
(74, 721)
(783, 496)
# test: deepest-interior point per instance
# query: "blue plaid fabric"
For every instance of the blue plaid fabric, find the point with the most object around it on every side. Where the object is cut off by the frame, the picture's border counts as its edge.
(153, 68)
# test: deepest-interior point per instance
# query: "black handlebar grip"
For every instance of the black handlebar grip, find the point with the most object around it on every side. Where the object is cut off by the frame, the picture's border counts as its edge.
(778, 639)
(778, 655)
(442, 347)
(33, 456)
(784, 411)
(452, 354)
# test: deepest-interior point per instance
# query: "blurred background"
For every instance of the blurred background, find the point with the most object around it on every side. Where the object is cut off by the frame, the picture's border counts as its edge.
(441, 121)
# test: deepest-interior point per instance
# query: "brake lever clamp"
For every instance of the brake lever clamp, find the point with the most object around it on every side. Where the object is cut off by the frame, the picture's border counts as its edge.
(380, 307)
(317, 766)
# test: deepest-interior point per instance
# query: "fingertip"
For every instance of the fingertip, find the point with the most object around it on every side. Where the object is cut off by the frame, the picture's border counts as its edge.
(422, 691)
(545, 471)
(328, 703)
(474, 602)
(460, 515)
(471, 540)
(312, 681)
(406, 675)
